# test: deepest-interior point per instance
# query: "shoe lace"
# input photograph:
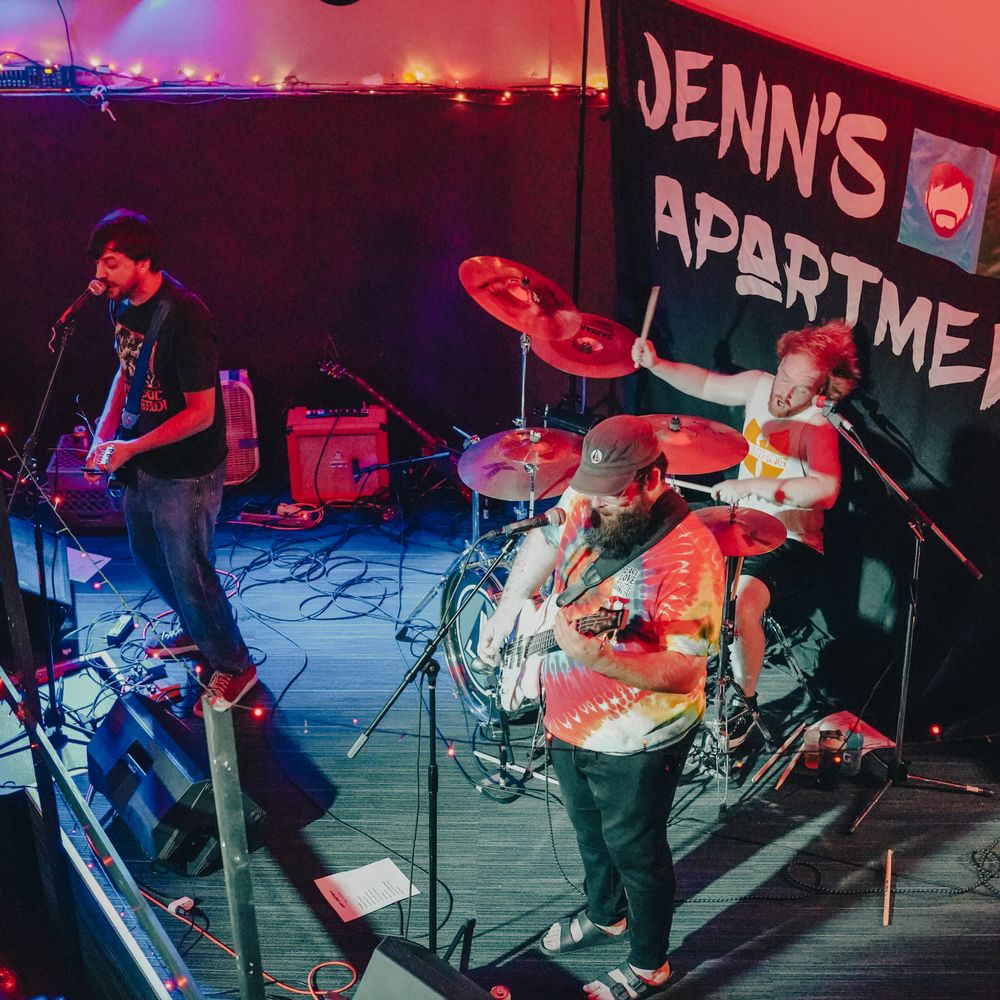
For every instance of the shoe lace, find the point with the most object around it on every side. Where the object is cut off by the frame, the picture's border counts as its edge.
(216, 686)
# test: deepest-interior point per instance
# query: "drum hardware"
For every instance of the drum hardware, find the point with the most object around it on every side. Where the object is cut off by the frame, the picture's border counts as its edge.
(694, 445)
(523, 299)
(521, 464)
(601, 348)
(739, 532)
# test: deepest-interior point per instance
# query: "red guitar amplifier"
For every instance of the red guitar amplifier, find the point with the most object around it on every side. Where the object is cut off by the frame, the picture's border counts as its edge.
(328, 448)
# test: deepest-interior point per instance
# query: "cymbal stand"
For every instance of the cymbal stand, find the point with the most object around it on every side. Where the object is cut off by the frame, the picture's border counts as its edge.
(522, 420)
(734, 564)
(532, 469)
(919, 524)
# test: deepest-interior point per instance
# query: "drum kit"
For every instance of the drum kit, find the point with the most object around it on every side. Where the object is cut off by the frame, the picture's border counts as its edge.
(529, 464)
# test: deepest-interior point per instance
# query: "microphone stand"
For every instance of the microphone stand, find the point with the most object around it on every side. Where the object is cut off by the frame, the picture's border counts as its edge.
(425, 664)
(897, 772)
(53, 715)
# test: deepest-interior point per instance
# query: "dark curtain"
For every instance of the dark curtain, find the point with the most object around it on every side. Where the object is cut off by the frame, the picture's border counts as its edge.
(932, 426)
(298, 219)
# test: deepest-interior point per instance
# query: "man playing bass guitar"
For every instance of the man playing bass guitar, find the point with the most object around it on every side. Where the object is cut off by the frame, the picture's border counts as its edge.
(621, 709)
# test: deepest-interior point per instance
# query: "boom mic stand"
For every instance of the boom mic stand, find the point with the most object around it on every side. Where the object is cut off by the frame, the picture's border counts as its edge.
(53, 715)
(426, 664)
(897, 772)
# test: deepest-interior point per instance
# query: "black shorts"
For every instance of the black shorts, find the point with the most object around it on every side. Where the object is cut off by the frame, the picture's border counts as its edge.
(791, 573)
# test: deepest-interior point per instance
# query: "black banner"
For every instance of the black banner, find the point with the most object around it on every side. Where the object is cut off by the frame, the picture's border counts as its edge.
(764, 187)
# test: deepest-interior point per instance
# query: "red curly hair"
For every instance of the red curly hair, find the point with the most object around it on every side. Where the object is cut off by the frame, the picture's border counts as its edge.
(832, 350)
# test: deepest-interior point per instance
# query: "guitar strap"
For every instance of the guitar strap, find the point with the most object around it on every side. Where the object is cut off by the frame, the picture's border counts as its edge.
(670, 509)
(130, 412)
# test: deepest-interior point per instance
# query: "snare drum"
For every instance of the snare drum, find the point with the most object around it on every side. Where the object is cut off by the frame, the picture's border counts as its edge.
(462, 639)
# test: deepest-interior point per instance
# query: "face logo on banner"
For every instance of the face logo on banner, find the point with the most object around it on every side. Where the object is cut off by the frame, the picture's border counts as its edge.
(948, 190)
(948, 199)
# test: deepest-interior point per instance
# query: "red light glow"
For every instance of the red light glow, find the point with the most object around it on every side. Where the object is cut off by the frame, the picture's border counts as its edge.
(258, 713)
(8, 981)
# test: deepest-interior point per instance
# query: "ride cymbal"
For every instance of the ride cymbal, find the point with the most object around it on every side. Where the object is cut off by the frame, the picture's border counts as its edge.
(741, 531)
(697, 444)
(601, 348)
(520, 297)
(495, 466)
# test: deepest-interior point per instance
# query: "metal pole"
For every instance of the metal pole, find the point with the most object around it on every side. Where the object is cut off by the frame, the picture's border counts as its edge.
(228, 797)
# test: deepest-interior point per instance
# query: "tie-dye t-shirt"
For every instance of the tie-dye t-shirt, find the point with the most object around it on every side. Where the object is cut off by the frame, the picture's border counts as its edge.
(672, 598)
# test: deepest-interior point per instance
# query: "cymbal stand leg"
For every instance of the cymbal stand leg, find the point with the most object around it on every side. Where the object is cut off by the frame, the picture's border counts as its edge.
(726, 637)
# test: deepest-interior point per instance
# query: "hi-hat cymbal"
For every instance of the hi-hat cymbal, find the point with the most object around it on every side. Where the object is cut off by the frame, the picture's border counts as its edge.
(601, 348)
(696, 444)
(495, 466)
(741, 531)
(520, 297)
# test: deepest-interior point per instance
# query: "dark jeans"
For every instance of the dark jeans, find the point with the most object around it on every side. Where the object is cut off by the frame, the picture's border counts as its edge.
(171, 531)
(619, 807)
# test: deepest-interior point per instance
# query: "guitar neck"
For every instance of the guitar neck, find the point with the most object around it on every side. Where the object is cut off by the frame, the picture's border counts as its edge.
(545, 642)
(425, 436)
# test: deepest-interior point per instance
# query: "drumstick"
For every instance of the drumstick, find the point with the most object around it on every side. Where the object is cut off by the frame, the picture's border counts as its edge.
(788, 770)
(887, 899)
(654, 294)
(774, 757)
(691, 486)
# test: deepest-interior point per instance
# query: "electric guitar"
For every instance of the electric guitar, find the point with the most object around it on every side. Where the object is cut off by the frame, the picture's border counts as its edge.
(519, 661)
(115, 485)
(431, 444)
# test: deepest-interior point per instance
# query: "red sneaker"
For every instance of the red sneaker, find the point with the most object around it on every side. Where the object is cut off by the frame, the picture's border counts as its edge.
(225, 690)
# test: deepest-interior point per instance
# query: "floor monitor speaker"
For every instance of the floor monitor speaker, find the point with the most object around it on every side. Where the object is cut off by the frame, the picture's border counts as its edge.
(153, 768)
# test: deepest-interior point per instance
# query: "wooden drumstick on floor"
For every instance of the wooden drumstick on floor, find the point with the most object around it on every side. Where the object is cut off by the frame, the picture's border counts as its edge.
(780, 751)
(887, 898)
(654, 294)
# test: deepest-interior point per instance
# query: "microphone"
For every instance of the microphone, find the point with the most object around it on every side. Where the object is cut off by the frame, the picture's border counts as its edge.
(95, 288)
(838, 420)
(553, 518)
(355, 469)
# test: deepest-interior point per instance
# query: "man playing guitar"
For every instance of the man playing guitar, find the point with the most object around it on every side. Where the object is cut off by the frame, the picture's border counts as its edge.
(171, 448)
(621, 709)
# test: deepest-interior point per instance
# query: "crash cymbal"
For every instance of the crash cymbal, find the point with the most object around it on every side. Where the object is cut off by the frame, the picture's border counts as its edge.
(696, 444)
(601, 348)
(520, 297)
(495, 466)
(741, 531)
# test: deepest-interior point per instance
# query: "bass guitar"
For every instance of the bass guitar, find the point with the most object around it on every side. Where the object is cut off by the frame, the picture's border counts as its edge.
(519, 661)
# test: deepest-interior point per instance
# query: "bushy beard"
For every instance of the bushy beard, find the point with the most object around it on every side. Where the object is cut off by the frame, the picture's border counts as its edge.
(617, 534)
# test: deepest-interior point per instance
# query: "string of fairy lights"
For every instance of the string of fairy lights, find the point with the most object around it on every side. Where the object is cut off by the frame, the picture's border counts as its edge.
(103, 79)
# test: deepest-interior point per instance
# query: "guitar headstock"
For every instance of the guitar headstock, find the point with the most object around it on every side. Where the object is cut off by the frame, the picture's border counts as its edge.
(334, 369)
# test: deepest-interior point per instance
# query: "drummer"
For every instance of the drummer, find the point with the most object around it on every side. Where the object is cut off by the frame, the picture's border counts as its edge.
(792, 471)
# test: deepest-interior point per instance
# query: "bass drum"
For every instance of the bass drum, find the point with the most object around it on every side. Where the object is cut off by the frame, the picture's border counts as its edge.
(461, 640)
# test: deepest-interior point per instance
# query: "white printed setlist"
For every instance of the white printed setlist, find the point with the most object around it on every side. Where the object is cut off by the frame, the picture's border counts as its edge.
(363, 890)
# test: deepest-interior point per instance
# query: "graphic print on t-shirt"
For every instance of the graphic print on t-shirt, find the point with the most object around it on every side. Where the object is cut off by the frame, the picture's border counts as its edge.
(129, 345)
(768, 454)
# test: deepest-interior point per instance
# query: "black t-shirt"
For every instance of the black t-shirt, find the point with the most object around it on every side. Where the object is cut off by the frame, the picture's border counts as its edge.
(185, 358)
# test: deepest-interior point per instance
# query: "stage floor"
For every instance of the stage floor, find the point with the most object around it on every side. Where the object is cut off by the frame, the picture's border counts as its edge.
(775, 900)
